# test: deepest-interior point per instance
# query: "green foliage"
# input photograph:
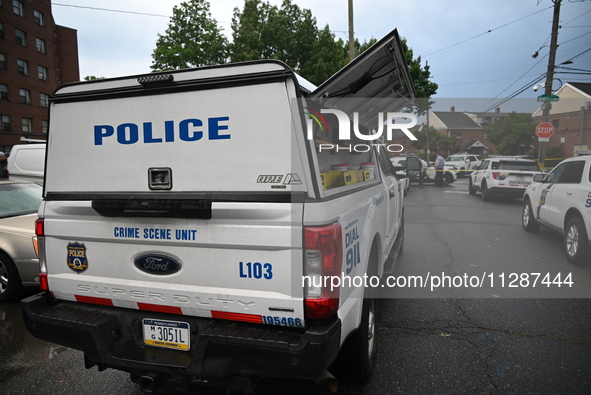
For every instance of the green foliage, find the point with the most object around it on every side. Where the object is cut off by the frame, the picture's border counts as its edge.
(192, 39)
(513, 134)
(264, 31)
(437, 141)
(289, 34)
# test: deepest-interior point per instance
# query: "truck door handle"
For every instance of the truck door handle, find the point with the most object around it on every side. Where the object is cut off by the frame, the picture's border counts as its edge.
(569, 193)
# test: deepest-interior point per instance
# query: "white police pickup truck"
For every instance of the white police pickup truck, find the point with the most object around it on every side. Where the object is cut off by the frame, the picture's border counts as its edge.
(209, 226)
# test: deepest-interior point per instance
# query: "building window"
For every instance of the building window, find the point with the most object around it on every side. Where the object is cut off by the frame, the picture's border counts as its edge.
(39, 17)
(22, 66)
(27, 124)
(44, 100)
(5, 123)
(44, 126)
(556, 123)
(457, 135)
(25, 96)
(42, 72)
(2, 61)
(21, 37)
(40, 43)
(3, 92)
(18, 8)
(1, 30)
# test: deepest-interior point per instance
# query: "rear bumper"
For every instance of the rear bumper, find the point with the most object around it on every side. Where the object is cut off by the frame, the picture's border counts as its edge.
(112, 337)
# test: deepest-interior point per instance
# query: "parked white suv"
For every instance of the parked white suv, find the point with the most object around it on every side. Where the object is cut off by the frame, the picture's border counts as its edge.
(561, 200)
(503, 176)
(462, 163)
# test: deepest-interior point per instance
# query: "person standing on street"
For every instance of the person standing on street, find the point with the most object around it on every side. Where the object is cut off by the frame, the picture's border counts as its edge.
(439, 163)
(422, 172)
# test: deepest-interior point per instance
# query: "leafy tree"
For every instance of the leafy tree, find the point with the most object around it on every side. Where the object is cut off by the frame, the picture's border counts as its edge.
(513, 134)
(437, 141)
(192, 39)
(263, 31)
(327, 57)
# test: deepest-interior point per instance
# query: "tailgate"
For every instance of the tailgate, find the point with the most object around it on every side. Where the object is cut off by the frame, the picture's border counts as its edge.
(244, 263)
(515, 179)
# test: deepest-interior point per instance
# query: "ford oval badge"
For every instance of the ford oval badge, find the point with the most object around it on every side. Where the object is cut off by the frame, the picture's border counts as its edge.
(158, 264)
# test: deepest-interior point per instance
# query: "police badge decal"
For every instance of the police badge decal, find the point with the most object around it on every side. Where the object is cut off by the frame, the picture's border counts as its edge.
(77, 260)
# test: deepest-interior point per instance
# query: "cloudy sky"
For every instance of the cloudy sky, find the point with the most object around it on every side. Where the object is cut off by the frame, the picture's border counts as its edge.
(476, 49)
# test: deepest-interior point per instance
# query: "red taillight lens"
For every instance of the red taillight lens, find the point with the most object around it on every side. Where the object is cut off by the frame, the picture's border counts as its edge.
(40, 227)
(496, 175)
(40, 249)
(323, 259)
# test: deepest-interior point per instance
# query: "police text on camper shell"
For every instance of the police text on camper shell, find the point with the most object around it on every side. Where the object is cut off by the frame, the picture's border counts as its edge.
(186, 130)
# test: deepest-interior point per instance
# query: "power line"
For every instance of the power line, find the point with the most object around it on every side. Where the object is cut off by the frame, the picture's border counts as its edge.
(111, 10)
(488, 31)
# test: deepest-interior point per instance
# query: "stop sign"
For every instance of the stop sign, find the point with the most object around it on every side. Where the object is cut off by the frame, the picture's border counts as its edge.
(544, 130)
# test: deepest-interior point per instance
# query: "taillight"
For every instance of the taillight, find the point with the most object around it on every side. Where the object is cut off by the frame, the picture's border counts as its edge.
(40, 249)
(496, 175)
(323, 257)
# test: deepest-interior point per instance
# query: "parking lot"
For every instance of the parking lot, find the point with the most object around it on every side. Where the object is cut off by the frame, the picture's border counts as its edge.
(490, 339)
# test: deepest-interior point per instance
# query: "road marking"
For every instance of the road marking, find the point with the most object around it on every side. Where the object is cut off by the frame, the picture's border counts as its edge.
(456, 192)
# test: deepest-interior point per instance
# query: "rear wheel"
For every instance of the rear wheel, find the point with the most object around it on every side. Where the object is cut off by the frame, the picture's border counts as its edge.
(484, 193)
(576, 243)
(528, 221)
(447, 179)
(357, 358)
(10, 281)
(471, 189)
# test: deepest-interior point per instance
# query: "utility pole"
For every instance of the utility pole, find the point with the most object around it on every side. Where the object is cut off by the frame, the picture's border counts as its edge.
(351, 34)
(550, 76)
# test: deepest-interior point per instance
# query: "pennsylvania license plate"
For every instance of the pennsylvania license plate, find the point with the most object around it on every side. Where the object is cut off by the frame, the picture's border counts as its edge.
(167, 334)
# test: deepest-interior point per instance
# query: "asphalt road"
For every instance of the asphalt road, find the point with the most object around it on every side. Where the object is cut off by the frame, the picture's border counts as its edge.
(489, 339)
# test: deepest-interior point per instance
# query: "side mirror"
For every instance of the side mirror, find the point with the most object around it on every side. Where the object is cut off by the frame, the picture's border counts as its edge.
(539, 177)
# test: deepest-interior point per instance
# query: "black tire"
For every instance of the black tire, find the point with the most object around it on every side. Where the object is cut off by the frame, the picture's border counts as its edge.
(447, 179)
(357, 358)
(11, 286)
(484, 193)
(471, 189)
(576, 243)
(528, 221)
(401, 235)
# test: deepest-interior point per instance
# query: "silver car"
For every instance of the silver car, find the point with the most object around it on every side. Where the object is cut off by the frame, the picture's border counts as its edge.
(19, 264)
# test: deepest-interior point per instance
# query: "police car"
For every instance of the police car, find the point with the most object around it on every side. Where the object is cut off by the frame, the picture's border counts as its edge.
(506, 176)
(561, 200)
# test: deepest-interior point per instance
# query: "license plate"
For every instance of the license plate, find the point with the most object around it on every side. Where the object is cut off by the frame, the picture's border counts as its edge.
(167, 334)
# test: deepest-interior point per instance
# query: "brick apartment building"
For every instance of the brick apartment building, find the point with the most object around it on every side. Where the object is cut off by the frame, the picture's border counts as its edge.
(36, 56)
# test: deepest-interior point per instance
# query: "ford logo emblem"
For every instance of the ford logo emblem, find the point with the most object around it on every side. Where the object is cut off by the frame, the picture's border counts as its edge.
(158, 264)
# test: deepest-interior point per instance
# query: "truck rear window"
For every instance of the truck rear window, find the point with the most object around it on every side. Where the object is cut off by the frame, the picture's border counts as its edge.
(342, 164)
(516, 165)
